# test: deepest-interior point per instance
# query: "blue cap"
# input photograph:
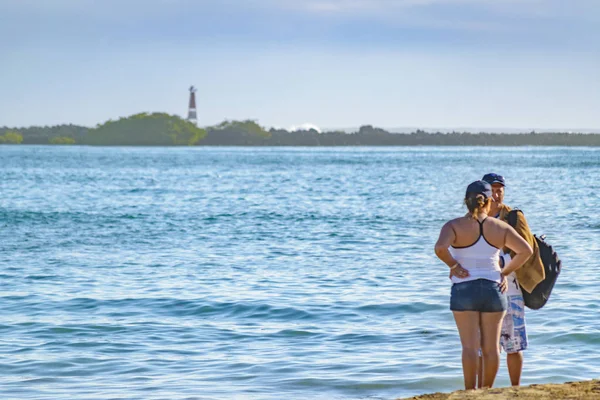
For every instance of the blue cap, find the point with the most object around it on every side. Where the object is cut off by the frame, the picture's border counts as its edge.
(479, 187)
(492, 178)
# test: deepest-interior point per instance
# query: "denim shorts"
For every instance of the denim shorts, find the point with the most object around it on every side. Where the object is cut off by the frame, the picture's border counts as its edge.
(479, 295)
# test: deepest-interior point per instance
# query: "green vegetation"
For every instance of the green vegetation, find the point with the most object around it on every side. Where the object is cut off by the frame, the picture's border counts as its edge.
(236, 133)
(11, 137)
(43, 134)
(156, 129)
(160, 129)
(247, 127)
(62, 140)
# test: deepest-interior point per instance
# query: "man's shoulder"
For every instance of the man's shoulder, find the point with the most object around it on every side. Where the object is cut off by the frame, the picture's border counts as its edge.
(504, 210)
(519, 222)
(519, 213)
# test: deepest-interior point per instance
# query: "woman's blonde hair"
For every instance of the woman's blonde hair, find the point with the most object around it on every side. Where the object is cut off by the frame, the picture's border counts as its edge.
(476, 203)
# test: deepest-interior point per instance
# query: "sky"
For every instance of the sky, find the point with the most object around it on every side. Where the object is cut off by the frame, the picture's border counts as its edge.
(521, 64)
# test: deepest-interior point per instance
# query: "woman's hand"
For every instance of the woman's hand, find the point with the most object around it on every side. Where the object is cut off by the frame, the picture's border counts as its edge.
(503, 283)
(458, 272)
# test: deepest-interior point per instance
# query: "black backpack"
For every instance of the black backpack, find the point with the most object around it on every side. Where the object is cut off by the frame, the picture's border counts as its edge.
(552, 266)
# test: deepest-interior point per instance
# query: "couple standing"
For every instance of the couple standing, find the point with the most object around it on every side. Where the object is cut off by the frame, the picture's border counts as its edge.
(489, 263)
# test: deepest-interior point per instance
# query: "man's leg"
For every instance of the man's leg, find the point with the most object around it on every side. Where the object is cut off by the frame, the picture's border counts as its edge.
(514, 338)
(514, 361)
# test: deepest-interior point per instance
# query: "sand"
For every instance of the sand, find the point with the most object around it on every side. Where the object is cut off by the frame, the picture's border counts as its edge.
(569, 390)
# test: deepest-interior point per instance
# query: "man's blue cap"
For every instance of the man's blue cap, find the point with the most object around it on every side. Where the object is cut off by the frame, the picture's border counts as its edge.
(492, 178)
(479, 187)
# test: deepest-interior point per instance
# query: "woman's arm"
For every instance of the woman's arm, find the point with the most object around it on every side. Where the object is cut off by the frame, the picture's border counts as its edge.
(447, 237)
(520, 247)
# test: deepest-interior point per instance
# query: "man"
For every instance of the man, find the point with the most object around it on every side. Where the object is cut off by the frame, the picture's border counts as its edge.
(513, 337)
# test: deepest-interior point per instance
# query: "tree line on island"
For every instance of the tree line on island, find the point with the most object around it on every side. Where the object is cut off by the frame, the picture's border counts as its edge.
(161, 129)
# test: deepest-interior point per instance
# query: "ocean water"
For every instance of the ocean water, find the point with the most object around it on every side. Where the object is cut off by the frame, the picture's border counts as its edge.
(270, 273)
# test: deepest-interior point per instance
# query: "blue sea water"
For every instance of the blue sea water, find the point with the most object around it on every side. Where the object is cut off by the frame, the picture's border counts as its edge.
(270, 273)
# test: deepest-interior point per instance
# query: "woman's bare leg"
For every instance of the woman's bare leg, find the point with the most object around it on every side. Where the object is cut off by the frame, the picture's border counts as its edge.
(479, 361)
(479, 372)
(490, 337)
(467, 323)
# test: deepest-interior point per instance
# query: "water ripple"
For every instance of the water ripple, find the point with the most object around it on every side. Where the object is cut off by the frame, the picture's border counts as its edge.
(268, 273)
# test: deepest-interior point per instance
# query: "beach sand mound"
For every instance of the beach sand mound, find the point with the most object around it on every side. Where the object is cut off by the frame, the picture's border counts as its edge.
(570, 390)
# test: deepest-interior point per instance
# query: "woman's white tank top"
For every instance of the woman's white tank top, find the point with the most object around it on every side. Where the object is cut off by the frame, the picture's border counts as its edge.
(480, 259)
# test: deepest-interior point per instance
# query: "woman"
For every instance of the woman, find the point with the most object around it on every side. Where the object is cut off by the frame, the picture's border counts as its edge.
(470, 246)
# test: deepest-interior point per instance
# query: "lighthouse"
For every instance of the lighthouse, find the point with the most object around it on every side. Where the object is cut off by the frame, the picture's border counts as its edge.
(192, 117)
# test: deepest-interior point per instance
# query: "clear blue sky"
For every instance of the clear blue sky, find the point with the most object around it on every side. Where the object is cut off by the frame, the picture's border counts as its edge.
(529, 64)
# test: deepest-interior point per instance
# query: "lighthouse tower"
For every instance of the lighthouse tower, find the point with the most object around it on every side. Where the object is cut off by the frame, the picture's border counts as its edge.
(192, 117)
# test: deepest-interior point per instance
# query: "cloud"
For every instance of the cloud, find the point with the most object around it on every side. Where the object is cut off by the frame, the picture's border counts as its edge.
(523, 9)
(347, 23)
(392, 5)
(449, 15)
(304, 127)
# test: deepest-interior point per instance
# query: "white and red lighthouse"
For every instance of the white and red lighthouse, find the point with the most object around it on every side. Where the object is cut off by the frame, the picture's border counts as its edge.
(192, 116)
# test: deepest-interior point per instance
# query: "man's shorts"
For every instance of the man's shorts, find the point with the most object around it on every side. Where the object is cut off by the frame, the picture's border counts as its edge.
(513, 337)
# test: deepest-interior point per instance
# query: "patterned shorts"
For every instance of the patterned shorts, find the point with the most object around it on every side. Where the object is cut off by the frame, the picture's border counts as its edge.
(513, 337)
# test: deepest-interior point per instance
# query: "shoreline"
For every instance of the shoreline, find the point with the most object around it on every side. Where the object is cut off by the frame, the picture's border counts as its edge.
(303, 145)
(550, 391)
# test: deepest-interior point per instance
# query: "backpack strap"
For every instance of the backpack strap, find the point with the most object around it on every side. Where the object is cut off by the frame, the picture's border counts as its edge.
(512, 217)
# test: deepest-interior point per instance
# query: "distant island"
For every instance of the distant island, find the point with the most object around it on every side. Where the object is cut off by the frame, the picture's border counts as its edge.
(161, 129)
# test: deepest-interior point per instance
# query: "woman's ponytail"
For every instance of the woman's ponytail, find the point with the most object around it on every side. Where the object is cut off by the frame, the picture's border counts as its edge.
(475, 203)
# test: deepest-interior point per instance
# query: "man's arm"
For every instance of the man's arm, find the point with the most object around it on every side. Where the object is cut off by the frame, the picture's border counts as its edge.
(522, 251)
(532, 272)
(522, 228)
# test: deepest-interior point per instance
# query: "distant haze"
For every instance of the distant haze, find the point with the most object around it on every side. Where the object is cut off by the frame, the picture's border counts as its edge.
(522, 64)
(471, 130)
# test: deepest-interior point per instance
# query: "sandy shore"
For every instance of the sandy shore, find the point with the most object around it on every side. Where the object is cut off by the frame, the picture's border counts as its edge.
(569, 390)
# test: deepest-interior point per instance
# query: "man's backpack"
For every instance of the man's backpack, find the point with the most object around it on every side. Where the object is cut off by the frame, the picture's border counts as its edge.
(552, 266)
